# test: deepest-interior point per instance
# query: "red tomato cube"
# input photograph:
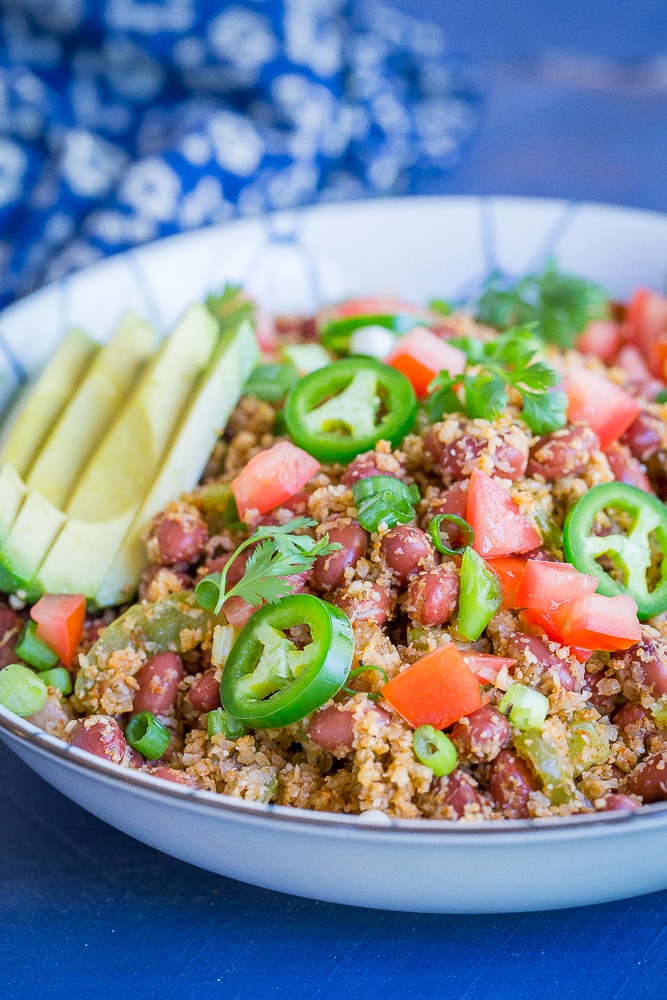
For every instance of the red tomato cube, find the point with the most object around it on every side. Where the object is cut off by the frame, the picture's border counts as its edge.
(271, 477)
(500, 527)
(601, 404)
(420, 355)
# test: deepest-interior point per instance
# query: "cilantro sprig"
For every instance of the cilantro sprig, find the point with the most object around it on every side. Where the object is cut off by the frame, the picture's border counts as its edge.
(279, 553)
(558, 306)
(509, 360)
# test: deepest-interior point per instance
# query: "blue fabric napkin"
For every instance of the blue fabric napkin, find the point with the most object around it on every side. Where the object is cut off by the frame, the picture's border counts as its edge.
(125, 120)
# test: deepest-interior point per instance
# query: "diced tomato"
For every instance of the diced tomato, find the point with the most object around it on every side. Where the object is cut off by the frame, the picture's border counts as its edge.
(639, 378)
(271, 477)
(601, 338)
(601, 404)
(646, 322)
(437, 690)
(420, 355)
(545, 622)
(599, 622)
(265, 331)
(486, 666)
(500, 528)
(379, 305)
(545, 585)
(509, 570)
(60, 619)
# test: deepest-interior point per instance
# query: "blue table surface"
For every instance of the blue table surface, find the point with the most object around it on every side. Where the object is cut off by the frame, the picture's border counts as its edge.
(576, 107)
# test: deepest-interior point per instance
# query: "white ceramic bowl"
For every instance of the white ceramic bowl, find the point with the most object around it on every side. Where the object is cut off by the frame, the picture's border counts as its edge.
(419, 249)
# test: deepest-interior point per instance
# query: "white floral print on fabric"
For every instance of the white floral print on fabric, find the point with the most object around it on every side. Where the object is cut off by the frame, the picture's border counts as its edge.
(125, 120)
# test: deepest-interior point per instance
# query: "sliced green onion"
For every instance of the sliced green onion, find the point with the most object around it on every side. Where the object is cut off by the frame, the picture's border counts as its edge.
(373, 695)
(384, 500)
(527, 707)
(58, 678)
(387, 509)
(306, 358)
(21, 690)
(33, 650)
(271, 383)
(224, 637)
(458, 522)
(480, 595)
(435, 750)
(147, 735)
(218, 721)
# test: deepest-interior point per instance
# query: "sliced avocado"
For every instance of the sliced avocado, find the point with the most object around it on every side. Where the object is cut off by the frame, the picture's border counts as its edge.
(13, 492)
(114, 484)
(123, 466)
(30, 538)
(194, 440)
(95, 404)
(44, 398)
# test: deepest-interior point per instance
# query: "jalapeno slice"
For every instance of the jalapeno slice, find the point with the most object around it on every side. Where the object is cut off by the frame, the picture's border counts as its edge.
(268, 681)
(337, 412)
(635, 555)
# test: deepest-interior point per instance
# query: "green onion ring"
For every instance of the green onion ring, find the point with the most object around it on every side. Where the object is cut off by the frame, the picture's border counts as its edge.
(459, 522)
(373, 695)
(147, 735)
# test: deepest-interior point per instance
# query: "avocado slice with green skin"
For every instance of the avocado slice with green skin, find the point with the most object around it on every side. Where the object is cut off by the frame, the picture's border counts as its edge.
(92, 408)
(43, 399)
(124, 465)
(194, 440)
(115, 483)
(30, 537)
(13, 492)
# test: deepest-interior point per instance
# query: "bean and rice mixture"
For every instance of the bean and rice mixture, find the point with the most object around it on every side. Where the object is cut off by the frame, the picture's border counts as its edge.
(605, 730)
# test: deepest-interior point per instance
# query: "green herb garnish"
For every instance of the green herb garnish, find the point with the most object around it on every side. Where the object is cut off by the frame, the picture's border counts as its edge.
(279, 554)
(557, 305)
(508, 360)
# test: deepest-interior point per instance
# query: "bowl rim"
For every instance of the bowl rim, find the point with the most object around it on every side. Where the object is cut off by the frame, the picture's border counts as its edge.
(373, 821)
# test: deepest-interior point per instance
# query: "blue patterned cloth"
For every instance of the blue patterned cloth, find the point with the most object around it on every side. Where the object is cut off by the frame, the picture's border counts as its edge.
(125, 120)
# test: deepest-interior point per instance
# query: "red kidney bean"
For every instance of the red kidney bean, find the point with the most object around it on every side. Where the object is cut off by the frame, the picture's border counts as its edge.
(649, 779)
(511, 783)
(10, 625)
(645, 435)
(594, 686)
(180, 536)
(237, 567)
(635, 716)
(527, 649)
(372, 464)
(406, 549)
(171, 774)
(204, 695)
(237, 611)
(459, 792)
(134, 759)
(332, 728)
(626, 468)
(329, 571)
(433, 596)
(615, 801)
(100, 735)
(481, 735)
(369, 603)
(506, 453)
(643, 667)
(565, 452)
(158, 682)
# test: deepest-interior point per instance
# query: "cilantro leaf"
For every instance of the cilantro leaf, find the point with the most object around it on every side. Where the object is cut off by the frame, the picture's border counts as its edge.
(442, 398)
(559, 305)
(279, 553)
(486, 395)
(544, 412)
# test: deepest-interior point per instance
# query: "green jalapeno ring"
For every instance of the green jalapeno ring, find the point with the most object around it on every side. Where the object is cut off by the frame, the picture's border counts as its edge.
(332, 412)
(267, 682)
(631, 551)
